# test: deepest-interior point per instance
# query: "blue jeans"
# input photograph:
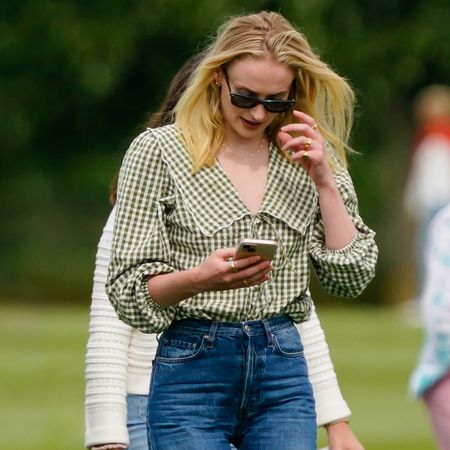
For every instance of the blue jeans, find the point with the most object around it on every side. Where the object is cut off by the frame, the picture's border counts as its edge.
(137, 421)
(216, 383)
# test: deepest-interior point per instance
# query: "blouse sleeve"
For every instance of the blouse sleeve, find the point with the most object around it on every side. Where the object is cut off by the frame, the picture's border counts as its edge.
(141, 247)
(347, 271)
(105, 408)
(330, 405)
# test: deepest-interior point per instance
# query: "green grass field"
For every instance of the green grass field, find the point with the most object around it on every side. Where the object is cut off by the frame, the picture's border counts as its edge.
(41, 377)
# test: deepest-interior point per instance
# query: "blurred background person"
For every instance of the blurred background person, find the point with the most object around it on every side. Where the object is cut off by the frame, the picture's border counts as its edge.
(431, 378)
(428, 184)
(117, 363)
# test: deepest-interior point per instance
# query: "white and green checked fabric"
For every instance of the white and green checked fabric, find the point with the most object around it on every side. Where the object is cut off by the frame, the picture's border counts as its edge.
(170, 220)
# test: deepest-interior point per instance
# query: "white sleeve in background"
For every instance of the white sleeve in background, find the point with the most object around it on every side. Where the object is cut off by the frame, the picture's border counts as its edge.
(106, 359)
(330, 405)
(428, 186)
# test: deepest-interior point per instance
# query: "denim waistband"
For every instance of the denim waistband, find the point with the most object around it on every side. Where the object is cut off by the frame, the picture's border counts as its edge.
(251, 327)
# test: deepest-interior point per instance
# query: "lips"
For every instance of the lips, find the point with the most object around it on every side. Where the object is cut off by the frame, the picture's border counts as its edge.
(250, 124)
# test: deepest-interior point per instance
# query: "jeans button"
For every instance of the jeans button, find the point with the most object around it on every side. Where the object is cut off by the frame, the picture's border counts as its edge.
(247, 327)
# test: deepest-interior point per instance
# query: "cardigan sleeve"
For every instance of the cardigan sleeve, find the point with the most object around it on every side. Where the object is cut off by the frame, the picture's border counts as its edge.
(330, 405)
(105, 408)
(141, 247)
(345, 272)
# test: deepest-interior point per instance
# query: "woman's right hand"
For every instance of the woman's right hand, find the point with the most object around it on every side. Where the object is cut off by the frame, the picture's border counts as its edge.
(219, 272)
(215, 273)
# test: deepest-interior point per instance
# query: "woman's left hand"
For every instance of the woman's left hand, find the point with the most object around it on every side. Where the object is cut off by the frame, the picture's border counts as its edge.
(308, 148)
(341, 437)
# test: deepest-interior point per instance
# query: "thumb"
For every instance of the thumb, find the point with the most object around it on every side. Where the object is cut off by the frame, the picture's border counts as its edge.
(226, 253)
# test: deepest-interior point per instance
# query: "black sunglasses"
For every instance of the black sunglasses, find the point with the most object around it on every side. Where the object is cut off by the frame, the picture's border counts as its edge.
(249, 101)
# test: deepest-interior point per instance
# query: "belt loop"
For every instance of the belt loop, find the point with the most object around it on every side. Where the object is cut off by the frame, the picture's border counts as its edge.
(212, 334)
(269, 333)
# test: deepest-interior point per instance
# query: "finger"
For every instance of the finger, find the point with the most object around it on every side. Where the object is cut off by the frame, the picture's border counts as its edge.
(249, 282)
(252, 275)
(234, 268)
(299, 143)
(300, 128)
(255, 270)
(237, 265)
(284, 138)
(304, 158)
(307, 120)
(264, 275)
(303, 117)
(226, 253)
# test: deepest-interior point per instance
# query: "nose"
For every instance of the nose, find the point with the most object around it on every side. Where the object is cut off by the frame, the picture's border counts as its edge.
(258, 112)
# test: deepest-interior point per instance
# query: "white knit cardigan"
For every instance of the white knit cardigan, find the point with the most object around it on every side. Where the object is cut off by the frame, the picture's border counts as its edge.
(118, 362)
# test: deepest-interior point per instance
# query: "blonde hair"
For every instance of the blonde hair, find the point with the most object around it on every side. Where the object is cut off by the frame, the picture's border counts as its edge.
(321, 93)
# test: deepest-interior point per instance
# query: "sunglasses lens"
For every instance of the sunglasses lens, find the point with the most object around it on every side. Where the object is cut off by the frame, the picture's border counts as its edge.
(278, 106)
(274, 106)
(243, 101)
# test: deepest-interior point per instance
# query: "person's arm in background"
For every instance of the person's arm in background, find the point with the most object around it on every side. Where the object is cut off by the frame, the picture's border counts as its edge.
(436, 290)
(428, 184)
(331, 409)
(106, 360)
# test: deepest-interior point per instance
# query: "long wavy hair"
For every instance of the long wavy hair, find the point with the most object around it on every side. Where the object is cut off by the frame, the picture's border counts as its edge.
(165, 113)
(321, 93)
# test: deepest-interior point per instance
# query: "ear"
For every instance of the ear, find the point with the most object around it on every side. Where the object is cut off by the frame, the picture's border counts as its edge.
(217, 78)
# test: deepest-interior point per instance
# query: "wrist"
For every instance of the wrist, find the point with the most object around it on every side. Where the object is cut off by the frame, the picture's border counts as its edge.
(327, 187)
(168, 289)
(195, 279)
(340, 423)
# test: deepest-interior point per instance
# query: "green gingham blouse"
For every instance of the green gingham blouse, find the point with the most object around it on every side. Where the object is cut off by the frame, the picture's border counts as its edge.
(169, 219)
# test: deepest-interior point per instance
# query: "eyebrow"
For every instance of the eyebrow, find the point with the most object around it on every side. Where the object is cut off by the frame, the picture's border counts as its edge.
(256, 94)
(253, 93)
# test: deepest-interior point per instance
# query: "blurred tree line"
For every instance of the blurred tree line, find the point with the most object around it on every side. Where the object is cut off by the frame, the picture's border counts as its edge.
(79, 78)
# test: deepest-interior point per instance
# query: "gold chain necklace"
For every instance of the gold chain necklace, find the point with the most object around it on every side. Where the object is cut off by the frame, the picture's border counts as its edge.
(251, 155)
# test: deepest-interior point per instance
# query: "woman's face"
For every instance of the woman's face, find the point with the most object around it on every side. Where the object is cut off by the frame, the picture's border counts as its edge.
(262, 78)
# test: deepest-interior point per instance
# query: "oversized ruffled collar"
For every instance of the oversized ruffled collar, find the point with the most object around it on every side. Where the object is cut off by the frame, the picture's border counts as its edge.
(214, 202)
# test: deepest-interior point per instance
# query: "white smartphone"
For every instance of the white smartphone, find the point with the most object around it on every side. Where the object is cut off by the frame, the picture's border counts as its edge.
(256, 247)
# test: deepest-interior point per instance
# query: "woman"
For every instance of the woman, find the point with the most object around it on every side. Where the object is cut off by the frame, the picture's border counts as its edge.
(118, 357)
(117, 361)
(427, 187)
(238, 163)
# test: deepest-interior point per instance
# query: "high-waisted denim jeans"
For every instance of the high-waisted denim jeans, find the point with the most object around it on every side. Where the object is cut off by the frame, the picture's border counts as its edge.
(216, 383)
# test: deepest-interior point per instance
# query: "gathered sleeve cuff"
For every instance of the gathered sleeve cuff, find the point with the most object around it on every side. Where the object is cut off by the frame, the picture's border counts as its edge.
(156, 317)
(347, 271)
(141, 247)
